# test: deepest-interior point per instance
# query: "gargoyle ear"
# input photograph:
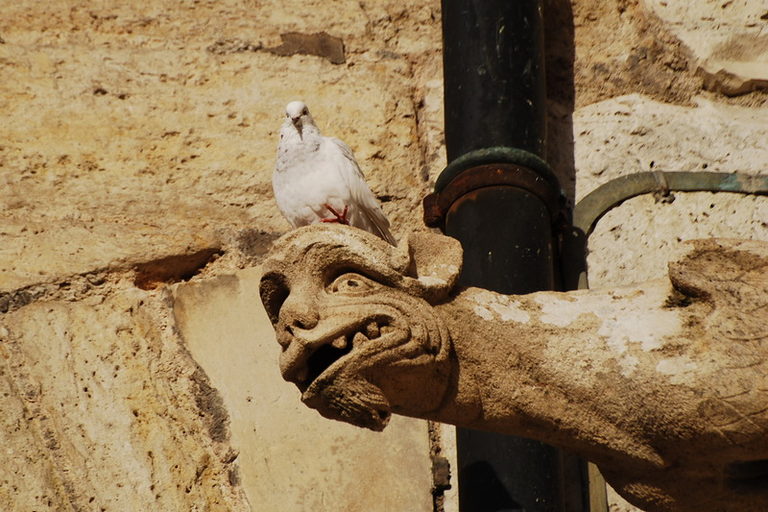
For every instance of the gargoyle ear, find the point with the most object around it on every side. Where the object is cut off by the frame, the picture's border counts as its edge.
(434, 264)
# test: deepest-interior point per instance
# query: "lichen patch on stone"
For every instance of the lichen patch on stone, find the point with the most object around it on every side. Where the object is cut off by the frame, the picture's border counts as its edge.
(493, 306)
(677, 368)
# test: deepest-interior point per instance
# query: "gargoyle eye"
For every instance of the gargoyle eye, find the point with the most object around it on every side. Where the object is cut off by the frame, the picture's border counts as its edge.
(350, 282)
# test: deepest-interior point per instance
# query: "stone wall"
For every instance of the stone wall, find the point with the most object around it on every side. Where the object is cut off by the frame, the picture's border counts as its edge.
(136, 151)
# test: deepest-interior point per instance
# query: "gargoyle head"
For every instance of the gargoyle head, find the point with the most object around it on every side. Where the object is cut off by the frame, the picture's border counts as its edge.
(354, 318)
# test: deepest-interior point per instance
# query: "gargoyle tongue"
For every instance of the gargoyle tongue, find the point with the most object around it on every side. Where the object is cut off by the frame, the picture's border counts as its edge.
(349, 399)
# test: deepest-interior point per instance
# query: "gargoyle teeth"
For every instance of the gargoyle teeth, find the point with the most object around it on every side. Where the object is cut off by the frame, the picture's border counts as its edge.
(358, 339)
(330, 350)
(372, 330)
(340, 342)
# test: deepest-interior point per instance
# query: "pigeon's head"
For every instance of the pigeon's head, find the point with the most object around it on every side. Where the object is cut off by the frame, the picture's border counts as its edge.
(298, 113)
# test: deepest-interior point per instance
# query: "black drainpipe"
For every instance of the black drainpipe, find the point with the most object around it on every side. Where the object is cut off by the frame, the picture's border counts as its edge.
(499, 198)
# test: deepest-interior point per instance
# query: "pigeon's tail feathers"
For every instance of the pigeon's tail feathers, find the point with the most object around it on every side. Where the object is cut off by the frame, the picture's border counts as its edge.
(369, 217)
(380, 226)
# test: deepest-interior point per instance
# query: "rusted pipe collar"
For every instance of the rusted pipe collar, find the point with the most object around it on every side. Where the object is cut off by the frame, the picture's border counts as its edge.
(437, 204)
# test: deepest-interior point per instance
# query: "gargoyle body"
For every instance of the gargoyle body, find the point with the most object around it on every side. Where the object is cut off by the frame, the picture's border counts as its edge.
(663, 385)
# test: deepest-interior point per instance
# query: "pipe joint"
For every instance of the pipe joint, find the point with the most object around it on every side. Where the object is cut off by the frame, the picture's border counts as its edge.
(492, 167)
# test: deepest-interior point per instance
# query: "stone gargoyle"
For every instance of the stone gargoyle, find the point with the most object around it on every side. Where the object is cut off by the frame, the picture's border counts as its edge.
(663, 385)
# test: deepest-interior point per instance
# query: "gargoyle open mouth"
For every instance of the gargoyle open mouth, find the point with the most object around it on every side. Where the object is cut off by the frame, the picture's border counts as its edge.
(331, 350)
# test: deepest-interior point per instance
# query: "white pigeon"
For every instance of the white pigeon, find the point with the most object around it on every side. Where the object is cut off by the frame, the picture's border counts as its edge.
(317, 179)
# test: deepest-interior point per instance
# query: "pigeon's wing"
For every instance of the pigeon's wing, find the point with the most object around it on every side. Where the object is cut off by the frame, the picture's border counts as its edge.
(346, 151)
(374, 217)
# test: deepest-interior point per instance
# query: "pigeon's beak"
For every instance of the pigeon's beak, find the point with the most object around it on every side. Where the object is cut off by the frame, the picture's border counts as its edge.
(297, 123)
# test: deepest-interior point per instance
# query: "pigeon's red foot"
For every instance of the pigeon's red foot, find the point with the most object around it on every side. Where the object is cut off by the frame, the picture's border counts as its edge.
(341, 218)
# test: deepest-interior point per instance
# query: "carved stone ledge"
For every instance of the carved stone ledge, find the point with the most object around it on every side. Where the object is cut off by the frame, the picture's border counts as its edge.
(663, 385)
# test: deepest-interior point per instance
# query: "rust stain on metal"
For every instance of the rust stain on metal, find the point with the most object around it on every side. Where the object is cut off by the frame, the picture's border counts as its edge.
(436, 205)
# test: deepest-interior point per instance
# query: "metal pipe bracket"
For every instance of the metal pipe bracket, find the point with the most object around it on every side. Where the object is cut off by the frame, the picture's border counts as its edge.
(491, 167)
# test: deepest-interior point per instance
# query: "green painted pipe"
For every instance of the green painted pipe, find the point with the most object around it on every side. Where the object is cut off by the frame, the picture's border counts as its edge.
(595, 204)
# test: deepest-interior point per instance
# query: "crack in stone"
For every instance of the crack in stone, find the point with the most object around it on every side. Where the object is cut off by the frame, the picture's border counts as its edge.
(146, 276)
(172, 269)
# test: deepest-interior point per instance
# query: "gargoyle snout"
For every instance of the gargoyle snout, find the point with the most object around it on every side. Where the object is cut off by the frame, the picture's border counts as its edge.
(296, 315)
